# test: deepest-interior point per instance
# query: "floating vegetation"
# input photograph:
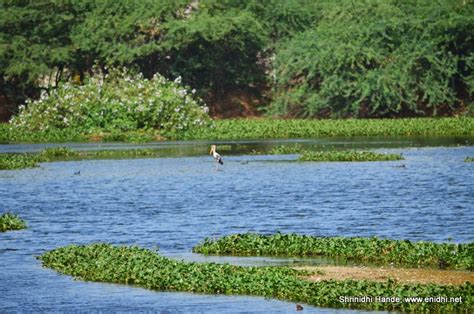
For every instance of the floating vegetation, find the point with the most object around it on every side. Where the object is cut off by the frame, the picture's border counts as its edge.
(10, 161)
(347, 156)
(287, 150)
(233, 129)
(370, 250)
(18, 161)
(52, 152)
(469, 159)
(145, 268)
(9, 221)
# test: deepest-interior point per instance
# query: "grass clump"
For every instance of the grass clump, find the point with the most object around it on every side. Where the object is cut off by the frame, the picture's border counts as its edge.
(371, 250)
(347, 156)
(9, 221)
(144, 268)
(469, 159)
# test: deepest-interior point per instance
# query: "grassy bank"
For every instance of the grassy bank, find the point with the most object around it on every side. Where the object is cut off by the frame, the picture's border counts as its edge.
(233, 129)
(144, 268)
(371, 250)
(10, 221)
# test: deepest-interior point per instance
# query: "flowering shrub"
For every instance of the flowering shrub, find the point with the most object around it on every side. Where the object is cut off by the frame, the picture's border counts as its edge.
(117, 101)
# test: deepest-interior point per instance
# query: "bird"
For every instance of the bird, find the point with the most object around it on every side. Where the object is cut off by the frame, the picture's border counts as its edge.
(216, 155)
(299, 307)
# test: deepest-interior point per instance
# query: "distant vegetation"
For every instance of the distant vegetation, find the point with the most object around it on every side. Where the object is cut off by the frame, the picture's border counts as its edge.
(398, 252)
(294, 58)
(232, 129)
(347, 156)
(145, 268)
(10, 161)
(9, 221)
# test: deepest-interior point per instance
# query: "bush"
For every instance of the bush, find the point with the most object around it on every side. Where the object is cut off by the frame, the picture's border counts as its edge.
(117, 101)
(378, 59)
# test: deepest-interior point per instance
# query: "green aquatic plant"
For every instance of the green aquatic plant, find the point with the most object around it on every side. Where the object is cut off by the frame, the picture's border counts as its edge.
(233, 129)
(9, 221)
(286, 149)
(347, 156)
(10, 161)
(469, 159)
(368, 250)
(53, 152)
(145, 268)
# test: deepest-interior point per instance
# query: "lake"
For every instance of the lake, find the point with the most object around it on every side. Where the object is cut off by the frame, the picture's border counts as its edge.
(172, 203)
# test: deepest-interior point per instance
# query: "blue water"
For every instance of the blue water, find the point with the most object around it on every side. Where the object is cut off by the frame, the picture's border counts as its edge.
(173, 203)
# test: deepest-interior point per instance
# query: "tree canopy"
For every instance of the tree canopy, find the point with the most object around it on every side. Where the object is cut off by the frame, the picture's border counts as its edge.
(294, 58)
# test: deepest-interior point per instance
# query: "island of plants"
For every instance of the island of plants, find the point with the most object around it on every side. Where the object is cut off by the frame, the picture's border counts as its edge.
(469, 159)
(145, 268)
(10, 161)
(9, 221)
(365, 250)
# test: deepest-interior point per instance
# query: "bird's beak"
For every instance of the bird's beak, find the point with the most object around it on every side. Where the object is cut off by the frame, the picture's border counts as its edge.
(210, 152)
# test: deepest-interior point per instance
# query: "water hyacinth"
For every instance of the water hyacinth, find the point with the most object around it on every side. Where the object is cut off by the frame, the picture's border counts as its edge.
(9, 221)
(141, 267)
(367, 250)
(120, 101)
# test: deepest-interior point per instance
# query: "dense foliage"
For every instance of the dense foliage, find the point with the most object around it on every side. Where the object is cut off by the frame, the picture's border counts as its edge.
(323, 58)
(398, 252)
(378, 58)
(141, 267)
(116, 101)
(9, 221)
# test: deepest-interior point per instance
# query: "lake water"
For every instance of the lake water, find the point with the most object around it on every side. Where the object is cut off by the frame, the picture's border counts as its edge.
(174, 203)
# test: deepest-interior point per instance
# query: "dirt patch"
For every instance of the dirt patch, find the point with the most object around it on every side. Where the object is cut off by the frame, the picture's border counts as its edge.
(403, 275)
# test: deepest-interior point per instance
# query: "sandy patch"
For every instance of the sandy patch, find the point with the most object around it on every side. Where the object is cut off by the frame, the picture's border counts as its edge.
(403, 275)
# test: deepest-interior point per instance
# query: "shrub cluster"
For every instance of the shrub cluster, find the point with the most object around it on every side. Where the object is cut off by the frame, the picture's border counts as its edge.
(117, 101)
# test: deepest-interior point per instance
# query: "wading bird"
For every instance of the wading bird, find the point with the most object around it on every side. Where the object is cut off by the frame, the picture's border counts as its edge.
(216, 155)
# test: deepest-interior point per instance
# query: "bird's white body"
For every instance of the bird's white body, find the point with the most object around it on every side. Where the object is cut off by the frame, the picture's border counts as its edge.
(216, 155)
